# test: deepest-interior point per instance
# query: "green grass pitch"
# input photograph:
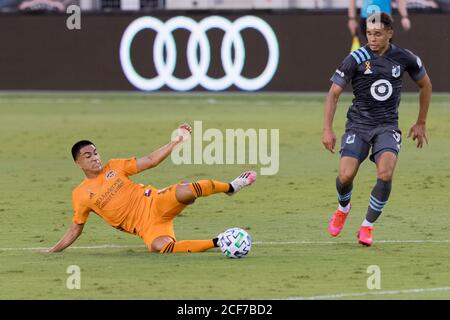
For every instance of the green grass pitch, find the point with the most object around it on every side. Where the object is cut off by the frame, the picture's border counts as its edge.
(287, 213)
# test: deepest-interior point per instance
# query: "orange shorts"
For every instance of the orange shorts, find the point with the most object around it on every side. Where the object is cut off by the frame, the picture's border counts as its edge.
(164, 208)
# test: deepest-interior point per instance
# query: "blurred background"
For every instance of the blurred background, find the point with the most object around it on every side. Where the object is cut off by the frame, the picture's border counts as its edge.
(46, 45)
(150, 5)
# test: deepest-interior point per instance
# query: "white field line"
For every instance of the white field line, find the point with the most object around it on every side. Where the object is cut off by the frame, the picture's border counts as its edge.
(102, 246)
(114, 246)
(369, 293)
(347, 242)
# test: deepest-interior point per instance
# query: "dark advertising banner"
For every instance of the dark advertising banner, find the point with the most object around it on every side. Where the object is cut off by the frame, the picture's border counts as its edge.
(206, 52)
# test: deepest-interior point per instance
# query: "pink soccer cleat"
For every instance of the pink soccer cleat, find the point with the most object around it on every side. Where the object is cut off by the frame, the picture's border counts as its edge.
(365, 236)
(245, 179)
(337, 222)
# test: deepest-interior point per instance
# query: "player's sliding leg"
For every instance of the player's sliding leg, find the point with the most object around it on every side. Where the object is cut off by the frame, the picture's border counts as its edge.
(344, 185)
(187, 193)
(166, 244)
(189, 246)
(246, 178)
(379, 196)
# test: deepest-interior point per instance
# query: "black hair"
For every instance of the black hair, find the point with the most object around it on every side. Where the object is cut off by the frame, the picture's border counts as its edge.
(382, 17)
(77, 146)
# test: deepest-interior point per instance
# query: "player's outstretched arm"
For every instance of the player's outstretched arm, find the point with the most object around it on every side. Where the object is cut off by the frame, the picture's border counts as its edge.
(328, 136)
(71, 235)
(418, 130)
(158, 156)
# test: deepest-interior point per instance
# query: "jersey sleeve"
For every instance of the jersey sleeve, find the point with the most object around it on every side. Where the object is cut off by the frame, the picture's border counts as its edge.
(414, 66)
(80, 211)
(345, 72)
(127, 166)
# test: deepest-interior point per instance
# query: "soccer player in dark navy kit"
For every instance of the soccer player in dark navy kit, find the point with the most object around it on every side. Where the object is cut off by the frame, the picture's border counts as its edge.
(376, 72)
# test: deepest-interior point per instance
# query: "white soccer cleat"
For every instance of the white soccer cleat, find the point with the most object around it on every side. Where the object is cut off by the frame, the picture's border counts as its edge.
(245, 179)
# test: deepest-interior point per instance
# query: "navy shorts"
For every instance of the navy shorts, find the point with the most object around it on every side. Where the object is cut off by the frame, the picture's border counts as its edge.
(357, 144)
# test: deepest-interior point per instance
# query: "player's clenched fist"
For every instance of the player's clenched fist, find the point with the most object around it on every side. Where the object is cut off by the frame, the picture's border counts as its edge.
(185, 126)
(183, 132)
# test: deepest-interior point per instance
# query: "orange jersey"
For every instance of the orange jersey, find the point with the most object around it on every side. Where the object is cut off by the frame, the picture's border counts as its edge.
(122, 203)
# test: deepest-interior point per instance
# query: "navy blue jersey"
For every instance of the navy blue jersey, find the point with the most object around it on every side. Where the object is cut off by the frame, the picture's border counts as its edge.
(377, 84)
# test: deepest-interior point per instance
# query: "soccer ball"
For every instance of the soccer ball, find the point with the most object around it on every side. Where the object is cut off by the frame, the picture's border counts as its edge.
(235, 242)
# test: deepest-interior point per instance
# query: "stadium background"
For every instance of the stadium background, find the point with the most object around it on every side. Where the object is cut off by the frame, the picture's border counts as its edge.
(60, 85)
(38, 51)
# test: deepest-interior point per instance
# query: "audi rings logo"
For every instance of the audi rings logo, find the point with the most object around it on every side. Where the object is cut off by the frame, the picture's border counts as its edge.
(381, 90)
(165, 64)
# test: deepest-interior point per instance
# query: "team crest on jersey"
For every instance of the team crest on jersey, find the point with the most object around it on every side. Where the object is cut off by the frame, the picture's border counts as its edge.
(396, 71)
(350, 139)
(111, 174)
(368, 68)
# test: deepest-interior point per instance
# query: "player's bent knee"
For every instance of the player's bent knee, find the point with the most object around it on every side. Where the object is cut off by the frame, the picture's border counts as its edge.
(386, 165)
(159, 243)
(346, 177)
(184, 194)
(385, 175)
(348, 167)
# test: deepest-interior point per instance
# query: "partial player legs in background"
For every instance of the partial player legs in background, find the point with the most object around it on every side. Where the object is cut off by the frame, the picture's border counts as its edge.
(344, 185)
(379, 195)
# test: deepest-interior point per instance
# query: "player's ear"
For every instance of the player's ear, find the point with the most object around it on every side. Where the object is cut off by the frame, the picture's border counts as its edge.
(390, 34)
(78, 163)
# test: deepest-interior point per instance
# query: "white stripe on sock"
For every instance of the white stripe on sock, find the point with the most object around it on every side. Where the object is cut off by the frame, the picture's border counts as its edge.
(345, 209)
(367, 223)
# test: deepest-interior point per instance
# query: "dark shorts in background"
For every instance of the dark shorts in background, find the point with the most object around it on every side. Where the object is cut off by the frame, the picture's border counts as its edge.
(357, 144)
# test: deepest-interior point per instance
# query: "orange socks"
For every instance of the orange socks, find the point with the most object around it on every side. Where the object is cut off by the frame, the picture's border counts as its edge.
(187, 246)
(204, 188)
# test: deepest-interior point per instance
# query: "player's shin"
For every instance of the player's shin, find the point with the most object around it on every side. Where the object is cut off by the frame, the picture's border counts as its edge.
(188, 246)
(378, 199)
(344, 193)
(204, 188)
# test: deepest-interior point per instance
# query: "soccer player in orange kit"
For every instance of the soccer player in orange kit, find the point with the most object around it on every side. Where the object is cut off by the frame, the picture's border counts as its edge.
(135, 208)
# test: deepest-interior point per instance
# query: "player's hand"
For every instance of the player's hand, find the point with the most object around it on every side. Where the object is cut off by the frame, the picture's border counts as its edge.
(185, 126)
(329, 140)
(418, 132)
(184, 131)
